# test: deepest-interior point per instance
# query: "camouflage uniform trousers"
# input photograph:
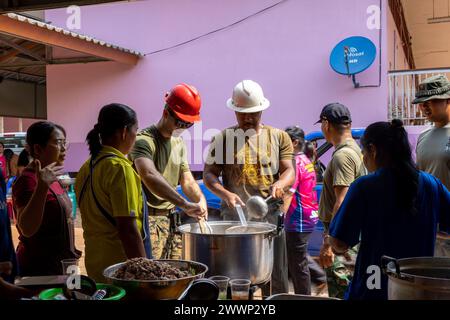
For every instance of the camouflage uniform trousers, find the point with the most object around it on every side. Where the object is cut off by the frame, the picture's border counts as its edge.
(340, 274)
(164, 244)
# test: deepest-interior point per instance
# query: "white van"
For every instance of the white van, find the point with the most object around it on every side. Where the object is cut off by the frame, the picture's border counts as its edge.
(15, 141)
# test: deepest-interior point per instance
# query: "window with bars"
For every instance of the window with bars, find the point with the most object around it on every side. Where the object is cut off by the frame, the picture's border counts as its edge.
(402, 91)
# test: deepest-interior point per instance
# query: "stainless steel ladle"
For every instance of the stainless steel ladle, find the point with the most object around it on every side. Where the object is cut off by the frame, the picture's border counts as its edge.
(257, 207)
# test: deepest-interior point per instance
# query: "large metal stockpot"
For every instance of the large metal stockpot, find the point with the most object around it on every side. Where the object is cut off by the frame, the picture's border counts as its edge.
(246, 255)
(417, 278)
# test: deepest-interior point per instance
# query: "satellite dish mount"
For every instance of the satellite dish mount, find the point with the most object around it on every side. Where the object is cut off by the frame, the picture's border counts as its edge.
(353, 76)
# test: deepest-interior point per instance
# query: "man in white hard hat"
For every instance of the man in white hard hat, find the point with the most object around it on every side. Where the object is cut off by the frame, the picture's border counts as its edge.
(253, 159)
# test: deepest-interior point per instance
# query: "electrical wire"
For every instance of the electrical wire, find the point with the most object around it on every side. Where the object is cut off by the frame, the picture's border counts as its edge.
(216, 30)
(257, 13)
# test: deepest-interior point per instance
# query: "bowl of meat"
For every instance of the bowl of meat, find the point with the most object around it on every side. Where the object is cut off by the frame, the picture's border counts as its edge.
(145, 279)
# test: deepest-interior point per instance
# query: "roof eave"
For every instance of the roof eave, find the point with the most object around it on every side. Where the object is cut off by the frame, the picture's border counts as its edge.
(64, 40)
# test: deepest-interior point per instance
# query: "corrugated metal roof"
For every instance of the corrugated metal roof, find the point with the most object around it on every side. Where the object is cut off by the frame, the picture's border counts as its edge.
(70, 33)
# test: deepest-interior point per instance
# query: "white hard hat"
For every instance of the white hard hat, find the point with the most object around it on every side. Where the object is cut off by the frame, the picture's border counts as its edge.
(248, 97)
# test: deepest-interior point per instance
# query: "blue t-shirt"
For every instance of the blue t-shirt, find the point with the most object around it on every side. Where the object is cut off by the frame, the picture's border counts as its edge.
(369, 216)
(7, 252)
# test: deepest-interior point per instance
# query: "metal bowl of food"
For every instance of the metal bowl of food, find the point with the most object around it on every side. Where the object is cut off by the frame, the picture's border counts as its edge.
(169, 278)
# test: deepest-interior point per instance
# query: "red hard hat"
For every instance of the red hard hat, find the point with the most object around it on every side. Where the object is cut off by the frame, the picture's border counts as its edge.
(184, 100)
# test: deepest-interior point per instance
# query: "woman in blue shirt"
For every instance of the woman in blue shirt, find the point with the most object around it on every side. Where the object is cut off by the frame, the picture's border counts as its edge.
(7, 253)
(394, 211)
(8, 264)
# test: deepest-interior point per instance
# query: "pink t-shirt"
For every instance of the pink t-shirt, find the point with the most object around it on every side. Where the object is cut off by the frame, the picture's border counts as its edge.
(302, 214)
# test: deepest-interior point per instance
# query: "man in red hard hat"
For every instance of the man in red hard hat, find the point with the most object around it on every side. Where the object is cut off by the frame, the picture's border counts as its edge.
(159, 156)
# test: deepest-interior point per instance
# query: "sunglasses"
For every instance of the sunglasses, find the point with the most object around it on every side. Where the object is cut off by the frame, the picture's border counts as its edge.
(179, 123)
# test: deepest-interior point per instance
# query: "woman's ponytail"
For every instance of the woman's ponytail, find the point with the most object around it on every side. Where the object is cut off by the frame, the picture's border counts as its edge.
(93, 140)
(405, 170)
(394, 151)
(112, 117)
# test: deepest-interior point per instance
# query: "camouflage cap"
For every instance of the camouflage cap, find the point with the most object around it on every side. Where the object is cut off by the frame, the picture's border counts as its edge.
(435, 87)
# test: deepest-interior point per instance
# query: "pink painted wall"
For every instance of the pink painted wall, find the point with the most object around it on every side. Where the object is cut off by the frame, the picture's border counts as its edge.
(286, 49)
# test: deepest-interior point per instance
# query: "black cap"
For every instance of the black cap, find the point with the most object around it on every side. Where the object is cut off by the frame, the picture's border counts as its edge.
(335, 113)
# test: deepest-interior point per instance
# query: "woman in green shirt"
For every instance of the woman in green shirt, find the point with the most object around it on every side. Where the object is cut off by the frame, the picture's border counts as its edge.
(109, 193)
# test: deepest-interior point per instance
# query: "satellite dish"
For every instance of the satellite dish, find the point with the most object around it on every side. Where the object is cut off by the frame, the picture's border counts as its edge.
(353, 55)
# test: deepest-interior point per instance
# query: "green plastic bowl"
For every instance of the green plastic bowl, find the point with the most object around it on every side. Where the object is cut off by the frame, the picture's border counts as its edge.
(114, 293)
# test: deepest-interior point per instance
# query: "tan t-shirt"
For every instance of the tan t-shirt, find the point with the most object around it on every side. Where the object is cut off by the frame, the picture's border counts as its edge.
(432, 154)
(169, 157)
(250, 164)
(345, 167)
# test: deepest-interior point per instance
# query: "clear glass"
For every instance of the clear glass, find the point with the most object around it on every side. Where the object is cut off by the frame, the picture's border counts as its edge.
(67, 266)
(240, 289)
(222, 283)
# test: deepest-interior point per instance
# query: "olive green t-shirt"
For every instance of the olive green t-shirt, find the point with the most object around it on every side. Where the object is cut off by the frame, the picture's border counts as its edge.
(345, 167)
(169, 157)
(249, 165)
(433, 155)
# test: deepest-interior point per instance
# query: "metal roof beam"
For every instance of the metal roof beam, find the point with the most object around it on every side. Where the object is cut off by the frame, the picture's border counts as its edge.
(22, 64)
(22, 49)
(24, 5)
(54, 61)
(78, 60)
(13, 52)
(19, 74)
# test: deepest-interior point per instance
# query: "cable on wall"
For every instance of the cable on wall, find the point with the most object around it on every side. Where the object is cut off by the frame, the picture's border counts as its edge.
(216, 30)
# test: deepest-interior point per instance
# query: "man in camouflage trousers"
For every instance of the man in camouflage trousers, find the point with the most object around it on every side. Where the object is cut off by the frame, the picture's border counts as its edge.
(165, 244)
(159, 156)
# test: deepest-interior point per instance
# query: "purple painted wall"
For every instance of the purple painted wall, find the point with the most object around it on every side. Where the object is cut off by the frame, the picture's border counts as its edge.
(286, 49)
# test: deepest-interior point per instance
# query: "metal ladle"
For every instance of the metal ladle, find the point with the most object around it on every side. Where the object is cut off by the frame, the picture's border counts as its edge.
(241, 228)
(257, 207)
(205, 227)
